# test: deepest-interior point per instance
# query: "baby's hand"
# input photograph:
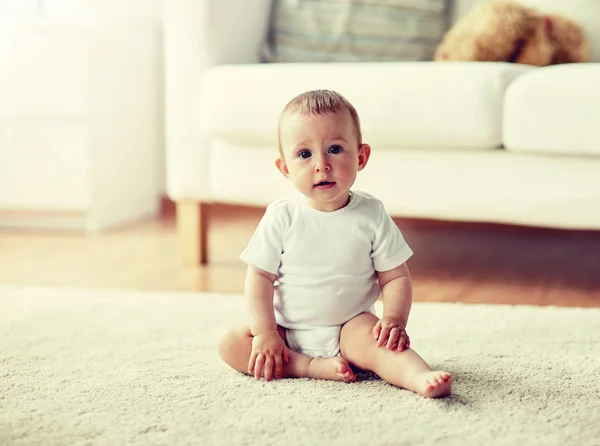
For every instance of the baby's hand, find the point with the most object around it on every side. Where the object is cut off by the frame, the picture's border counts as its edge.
(268, 350)
(389, 332)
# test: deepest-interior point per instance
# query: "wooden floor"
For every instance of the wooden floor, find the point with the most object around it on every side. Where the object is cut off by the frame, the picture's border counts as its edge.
(453, 262)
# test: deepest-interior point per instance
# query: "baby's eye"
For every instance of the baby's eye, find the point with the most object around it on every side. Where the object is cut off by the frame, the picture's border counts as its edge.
(304, 154)
(334, 150)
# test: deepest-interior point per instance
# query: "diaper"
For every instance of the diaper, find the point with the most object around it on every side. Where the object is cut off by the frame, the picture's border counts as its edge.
(315, 342)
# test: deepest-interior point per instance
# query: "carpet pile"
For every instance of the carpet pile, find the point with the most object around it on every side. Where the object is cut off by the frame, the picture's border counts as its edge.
(110, 367)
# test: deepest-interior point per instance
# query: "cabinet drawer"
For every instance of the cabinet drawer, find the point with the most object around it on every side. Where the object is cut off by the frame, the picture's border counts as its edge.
(44, 167)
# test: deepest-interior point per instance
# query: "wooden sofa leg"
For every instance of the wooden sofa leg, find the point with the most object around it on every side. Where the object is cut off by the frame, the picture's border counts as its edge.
(192, 226)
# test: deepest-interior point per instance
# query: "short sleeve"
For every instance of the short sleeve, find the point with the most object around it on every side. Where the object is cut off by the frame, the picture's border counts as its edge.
(389, 248)
(266, 245)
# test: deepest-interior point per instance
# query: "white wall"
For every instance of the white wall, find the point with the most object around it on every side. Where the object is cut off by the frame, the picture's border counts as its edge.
(144, 10)
(11, 7)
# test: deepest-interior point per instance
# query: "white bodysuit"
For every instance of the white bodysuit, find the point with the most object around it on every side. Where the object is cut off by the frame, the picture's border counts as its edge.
(326, 264)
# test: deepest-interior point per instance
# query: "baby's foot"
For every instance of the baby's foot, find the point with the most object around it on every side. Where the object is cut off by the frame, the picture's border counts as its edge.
(336, 369)
(434, 384)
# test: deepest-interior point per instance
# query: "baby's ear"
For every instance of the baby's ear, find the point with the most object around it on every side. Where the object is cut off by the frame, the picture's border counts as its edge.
(282, 167)
(364, 152)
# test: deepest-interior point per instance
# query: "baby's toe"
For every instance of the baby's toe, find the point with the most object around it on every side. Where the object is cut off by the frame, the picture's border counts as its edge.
(436, 384)
(446, 378)
(345, 371)
(343, 365)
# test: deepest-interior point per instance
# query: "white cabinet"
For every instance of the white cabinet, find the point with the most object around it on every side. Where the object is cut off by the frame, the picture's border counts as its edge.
(80, 123)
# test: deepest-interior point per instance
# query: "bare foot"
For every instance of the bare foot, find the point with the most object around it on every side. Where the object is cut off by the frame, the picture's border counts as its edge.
(336, 369)
(434, 384)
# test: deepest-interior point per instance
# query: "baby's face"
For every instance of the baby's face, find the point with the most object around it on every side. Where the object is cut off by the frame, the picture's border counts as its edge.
(321, 155)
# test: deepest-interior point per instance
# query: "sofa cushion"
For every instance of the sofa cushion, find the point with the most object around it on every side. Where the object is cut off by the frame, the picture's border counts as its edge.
(401, 105)
(490, 186)
(554, 110)
(355, 30)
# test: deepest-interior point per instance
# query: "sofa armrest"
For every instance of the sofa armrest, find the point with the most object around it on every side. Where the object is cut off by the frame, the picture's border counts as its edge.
(199, 34)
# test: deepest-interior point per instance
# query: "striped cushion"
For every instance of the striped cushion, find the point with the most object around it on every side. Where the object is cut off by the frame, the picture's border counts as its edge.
(355, 30)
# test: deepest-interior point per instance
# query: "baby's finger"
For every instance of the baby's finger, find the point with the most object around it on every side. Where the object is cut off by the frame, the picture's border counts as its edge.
(383, 336)
(259, 364)
(407, 343)
(278, 366)
(251, 363)
(268, 371)
(394, 333)
(286, 354)
(402, 341)
(377, 329)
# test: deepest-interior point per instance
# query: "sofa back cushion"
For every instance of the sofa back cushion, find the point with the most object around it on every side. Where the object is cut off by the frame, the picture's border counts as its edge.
(355, 30)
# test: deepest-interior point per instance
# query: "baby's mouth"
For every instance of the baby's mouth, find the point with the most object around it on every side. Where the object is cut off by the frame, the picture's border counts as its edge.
(325, 184)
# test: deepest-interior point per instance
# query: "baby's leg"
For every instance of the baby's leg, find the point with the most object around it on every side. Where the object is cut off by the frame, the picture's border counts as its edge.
(404, 369)
(236, 346)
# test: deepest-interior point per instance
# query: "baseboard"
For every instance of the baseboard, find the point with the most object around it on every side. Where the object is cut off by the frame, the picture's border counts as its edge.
(72, 221)
(43, 220)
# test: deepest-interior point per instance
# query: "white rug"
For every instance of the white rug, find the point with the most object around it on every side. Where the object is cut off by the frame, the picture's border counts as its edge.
(115, 368)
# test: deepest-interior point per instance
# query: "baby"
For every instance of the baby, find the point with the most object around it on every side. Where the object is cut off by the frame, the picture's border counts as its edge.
(318, 262)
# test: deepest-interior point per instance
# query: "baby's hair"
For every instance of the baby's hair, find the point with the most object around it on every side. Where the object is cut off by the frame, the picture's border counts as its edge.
(320, 102)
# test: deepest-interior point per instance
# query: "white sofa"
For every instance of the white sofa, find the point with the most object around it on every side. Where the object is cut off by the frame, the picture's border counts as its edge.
(486, 142)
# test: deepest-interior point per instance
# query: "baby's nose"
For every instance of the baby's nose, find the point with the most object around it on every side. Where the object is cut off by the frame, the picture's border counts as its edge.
(322, 168)
(321, 164)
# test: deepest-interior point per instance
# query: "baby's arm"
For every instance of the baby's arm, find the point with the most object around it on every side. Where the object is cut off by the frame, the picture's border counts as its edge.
(396, 290)
(267, 346)
(259, 291)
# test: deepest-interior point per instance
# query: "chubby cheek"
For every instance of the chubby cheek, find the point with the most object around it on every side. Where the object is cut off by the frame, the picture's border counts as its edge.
(301, 176)
(347, 168)
(299, 169)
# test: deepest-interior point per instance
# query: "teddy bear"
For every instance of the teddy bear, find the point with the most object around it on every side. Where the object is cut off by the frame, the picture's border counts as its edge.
(506, 31)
